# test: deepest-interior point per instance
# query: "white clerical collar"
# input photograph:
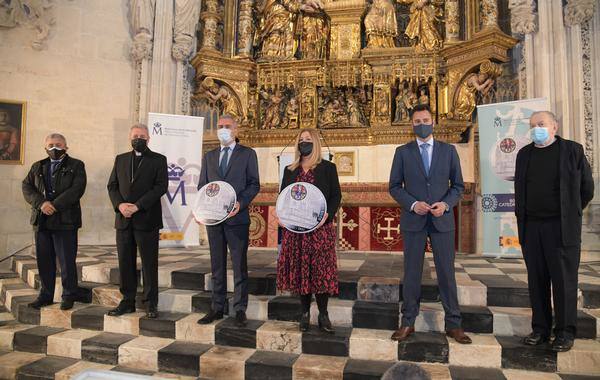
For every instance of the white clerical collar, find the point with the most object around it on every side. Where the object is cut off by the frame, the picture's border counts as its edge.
(137, 153)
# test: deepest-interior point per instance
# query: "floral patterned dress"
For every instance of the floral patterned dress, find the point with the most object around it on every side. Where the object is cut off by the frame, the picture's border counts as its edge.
(307, 262)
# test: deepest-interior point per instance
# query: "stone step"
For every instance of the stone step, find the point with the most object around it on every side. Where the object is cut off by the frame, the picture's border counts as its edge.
(479, 285)
(276, 348)
(176, 303)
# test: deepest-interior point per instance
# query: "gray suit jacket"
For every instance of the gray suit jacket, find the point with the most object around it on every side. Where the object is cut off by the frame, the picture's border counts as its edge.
(241, 174)
(409, 183)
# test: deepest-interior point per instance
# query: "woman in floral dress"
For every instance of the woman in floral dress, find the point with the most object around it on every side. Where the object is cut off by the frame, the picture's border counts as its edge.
(307, 263)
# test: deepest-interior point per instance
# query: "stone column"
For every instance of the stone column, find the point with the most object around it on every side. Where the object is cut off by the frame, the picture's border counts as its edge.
(452, 21)
(141, 19)
(245, 29)
(523, 23)
(184, 27)
(489, 14)
(211, 18)
(162, 94)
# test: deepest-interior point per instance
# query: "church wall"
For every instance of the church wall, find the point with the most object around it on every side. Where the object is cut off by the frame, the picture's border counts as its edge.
(79, 84)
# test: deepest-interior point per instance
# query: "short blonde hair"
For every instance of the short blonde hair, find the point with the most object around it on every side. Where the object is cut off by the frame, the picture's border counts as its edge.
(314, 158)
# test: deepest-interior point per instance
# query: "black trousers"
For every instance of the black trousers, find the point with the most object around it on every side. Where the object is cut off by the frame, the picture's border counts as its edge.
(50, 245)
(235, 237)
(128, 242)
(549, 263)
(442, 244)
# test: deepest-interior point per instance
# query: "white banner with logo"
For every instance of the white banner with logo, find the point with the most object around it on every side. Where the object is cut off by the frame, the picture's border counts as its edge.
(503, 130)
(179, 138)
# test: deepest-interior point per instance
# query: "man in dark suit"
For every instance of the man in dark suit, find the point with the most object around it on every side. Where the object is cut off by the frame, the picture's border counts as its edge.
(53, 188)
(137, 182)
(553, 184)
(426, 181)
(238, 166)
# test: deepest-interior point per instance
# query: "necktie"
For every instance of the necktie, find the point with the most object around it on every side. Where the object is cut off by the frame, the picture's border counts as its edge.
(425, 156)
(53, 165)
(223, 163)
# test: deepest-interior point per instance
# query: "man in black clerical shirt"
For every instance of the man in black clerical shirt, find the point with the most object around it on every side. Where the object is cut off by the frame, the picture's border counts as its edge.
(137, 182)
(553, 184)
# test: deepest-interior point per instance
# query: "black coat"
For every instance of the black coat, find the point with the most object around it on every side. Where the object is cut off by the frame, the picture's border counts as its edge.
(149, 184)
(576, 188)
(326, 180)
(69, 185)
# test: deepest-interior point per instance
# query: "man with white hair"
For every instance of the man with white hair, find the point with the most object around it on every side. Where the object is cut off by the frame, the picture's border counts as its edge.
(53, 188)
(553, 184)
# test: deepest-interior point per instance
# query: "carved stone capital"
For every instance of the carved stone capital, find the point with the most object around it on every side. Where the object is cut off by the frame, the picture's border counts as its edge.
(35, 14)
(523, 18)
(182, 47)
(578, 11)
(141, 47)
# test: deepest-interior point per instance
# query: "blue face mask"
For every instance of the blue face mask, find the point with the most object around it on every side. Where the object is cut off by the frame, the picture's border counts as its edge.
(423, 130)
(539, 135)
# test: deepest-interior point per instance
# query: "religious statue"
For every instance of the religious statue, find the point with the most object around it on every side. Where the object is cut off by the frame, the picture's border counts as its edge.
(272, 118)
(423, 98)
(291, 113)
(314, 31)
(356, 117)
(275, 37)
(423, 16)
(466, 95)
(219, 96)
(401, 108)
(8, 136)
(380, 25)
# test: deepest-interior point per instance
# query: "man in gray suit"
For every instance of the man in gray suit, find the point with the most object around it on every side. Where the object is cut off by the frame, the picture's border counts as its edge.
(238, 166)
(426, 181)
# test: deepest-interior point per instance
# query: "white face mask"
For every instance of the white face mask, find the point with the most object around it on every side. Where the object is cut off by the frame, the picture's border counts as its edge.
(224, 135)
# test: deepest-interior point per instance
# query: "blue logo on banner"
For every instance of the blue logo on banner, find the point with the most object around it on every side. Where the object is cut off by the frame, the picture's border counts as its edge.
(157, 128)
(498, 202)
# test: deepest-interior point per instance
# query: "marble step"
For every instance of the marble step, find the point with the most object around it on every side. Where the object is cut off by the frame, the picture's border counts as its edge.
(278, 347)
(474, 289)
(175, 304)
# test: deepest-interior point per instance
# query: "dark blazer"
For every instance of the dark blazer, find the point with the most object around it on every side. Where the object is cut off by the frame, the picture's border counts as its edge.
(576, 188)
(69, 183)
(326, 180)
(241, 174)
(409, 184)
(149, 184)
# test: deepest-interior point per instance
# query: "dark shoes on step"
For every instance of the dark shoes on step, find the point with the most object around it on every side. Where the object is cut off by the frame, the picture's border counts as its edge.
(39, 303)
(304, 322)
(325, 323)
(122, 309)
(210, 317)
(561, 343)
(535, 339)
(240, 319)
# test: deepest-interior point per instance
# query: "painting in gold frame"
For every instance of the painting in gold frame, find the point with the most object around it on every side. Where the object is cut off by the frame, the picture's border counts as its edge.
(345, 163)
(12, 131)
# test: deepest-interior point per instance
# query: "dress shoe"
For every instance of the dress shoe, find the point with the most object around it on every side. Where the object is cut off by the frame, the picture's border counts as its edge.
(210, 317)
(459, 336)
(304, 322)
(403, 333)
(240, 319)
(121, 309)
(562, 343)
(67, 304)
(325, 323)
(38, 303)
(152, 313)
(535, 339)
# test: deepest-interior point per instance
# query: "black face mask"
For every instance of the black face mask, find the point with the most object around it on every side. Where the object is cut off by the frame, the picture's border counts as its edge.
(305, 148)
(55, 153)
(139, 145)
(423, 130)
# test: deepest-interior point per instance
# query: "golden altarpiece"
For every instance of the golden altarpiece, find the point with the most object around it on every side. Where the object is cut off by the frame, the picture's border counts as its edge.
(352, 68)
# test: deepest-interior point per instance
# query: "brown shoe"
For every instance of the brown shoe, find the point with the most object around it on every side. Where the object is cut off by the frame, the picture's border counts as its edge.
(459, 336)
(403, 333)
